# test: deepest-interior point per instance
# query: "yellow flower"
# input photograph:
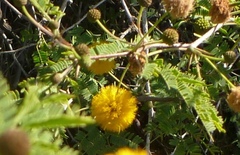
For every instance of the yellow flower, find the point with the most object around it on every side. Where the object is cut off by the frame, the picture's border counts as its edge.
(100, 67)
(114, 108)
(128, 151)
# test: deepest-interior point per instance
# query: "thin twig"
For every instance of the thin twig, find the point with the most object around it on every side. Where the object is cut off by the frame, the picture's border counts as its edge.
(146, 98)
(151, 111)
(123, 34)
(109, 55)
(206, 36)
(19, 49)
(30, 18)
(80, 20)
(127, 11)
(63, 7)
(20, 15)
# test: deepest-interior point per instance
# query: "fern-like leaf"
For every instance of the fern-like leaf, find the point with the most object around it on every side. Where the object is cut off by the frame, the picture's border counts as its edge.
(192, 92)
(108, 48)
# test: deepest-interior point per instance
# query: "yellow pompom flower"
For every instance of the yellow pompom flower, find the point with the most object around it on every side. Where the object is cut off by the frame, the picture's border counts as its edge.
(100, 67)
(128, 151)
(114, 108)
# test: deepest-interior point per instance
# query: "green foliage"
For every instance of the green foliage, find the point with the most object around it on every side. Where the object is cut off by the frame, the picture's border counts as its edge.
(36, 117)
(108, 48)
(185, 85)
(192, 91)
(94, 141)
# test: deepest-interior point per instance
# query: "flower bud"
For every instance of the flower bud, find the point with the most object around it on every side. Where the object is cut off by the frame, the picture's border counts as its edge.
(170, 36)
(145, 3)
(201, 25)
(20, 3)
(230, 56)
(57, 78)
(93, 15)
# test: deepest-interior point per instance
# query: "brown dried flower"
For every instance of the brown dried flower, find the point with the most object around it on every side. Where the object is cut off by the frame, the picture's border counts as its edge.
(137, 62)
(233, 99)
(220, 11)
(179, 8)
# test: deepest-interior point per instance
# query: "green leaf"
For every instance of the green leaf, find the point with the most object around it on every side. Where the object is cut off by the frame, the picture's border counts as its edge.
(8, 109)
(63, 121)
(208, 113)
(108, 48)
(56, 98)
(148, 70)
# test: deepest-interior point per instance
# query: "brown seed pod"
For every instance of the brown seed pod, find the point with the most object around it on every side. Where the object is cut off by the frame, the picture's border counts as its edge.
(137, 62)
(179, 8)
(233, 99)
(93, 15)
(220, 11)
(14, 142)
(145, 3)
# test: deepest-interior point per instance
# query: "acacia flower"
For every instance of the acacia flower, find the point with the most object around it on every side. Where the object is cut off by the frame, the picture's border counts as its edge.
(114, 108)
(220, 11)
(129, 151)
(179, 8)
(233, 99)
(100, 67)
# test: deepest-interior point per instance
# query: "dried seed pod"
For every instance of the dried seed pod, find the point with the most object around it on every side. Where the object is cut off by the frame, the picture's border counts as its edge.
(220, 11)
(233, 99)
(14, 142)
(137, 62)
(230, 56)
(170, 36)
(179, 8)
(145, 3)
(93, 15)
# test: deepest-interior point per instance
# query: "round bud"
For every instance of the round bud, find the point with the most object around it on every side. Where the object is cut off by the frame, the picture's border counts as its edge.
(201, 25)
(14, 142)
(93, 15)
(230, 56)
(170, 36)
(57, 78)
(20, 3)
(53, 25)
(145, 3)
(82, 49)
(233, 99)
